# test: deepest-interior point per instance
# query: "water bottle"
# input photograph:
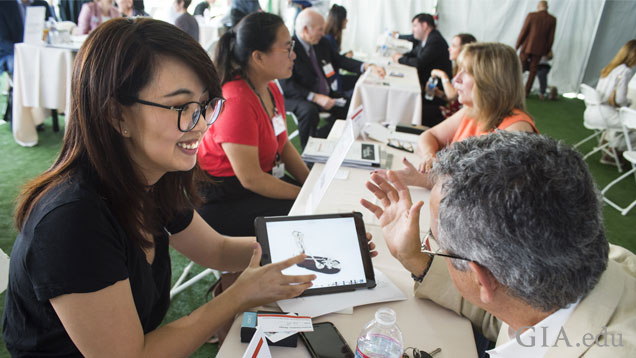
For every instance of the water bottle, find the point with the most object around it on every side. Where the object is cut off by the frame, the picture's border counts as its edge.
(429, 92)
(381, 337)
(53, 34)
(384, 51)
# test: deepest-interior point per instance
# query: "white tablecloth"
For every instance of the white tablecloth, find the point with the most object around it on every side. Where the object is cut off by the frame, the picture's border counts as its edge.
(42, 80)
(393, 99)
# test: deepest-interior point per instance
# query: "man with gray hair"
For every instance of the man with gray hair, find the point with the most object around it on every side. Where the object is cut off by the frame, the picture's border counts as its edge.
(516, 221)
(312, 85)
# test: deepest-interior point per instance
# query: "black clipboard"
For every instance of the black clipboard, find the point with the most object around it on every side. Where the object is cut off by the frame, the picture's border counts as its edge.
(335, 244)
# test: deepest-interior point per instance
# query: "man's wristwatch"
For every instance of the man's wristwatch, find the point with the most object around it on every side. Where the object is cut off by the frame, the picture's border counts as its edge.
(419, 278)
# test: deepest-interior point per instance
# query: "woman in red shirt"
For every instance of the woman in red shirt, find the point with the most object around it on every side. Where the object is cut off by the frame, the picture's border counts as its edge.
(489, 84)
(248, 153)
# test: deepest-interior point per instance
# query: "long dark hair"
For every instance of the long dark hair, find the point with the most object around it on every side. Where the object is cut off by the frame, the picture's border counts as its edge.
(335, 22)
(255, 32)
(115, 63)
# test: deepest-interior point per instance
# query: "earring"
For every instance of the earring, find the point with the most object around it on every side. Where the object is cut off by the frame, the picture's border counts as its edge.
(125, 131)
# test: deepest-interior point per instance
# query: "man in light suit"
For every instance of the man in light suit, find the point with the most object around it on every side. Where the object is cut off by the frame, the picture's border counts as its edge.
(535, 39)
(519, 247)
(312, 85)
(430, 53)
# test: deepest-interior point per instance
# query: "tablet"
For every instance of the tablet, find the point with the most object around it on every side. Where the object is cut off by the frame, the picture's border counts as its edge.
(335, 244)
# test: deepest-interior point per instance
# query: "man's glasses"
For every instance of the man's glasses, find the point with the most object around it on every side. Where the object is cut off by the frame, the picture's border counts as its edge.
(427, 249)
(288, 50)
(189, 113)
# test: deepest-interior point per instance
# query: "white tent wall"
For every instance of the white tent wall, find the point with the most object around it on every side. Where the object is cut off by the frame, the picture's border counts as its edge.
(617, 26)
(580, 51)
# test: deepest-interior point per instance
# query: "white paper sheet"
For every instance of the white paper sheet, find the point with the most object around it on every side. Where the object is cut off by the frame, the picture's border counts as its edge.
(34, 25)
(315, 306)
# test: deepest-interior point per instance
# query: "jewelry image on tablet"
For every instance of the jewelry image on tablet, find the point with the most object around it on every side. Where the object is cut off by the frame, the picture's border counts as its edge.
(315, 263)
(335, 246)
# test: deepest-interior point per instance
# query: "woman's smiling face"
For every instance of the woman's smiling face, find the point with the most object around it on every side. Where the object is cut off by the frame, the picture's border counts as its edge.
(154, 141)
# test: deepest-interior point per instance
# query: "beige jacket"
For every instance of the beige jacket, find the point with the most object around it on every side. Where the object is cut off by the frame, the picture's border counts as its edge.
(611, 304)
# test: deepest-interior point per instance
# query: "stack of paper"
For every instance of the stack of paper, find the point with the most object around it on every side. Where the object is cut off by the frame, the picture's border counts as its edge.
(314, 306)
(360, 155)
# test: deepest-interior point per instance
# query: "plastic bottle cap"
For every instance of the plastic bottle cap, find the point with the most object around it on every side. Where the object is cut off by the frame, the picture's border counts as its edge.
(385, 316)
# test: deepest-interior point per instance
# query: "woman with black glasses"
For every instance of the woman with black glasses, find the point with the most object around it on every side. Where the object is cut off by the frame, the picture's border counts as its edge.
(90, 268)
(247, 153)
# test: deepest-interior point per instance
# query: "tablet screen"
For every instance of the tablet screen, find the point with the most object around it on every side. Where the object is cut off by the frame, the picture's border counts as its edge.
(332, 246)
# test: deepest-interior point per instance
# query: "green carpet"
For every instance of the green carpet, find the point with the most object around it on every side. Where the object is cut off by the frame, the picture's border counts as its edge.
(560, 119)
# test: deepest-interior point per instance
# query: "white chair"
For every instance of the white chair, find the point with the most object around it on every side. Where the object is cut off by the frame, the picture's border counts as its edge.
(180, 285)
(628, 121)
(4, 271)
(295, 133)
(597, 118)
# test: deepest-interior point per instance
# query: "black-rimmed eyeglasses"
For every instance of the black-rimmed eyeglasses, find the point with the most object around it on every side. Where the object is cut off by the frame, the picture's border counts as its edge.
(192, 111)
(427, 250)
(288, 50)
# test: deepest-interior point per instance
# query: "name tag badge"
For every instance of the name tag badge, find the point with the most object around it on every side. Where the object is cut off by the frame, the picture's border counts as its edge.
(328, 70)
(279, 124)
(278, 170)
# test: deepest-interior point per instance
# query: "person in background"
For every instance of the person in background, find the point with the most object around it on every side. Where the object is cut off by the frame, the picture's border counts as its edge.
(184, 20)
(202, 6)
(127, 9)
(241, 8)
(431, 53)
(247, 152)
(490, 86)
(453, 105)
(312, 87)
(69, 10)
(516, 244)
(543, 68)
(535, 40)
(94, 14)
(90, 268)
(11, 33)
(336, 23)
(612, 88)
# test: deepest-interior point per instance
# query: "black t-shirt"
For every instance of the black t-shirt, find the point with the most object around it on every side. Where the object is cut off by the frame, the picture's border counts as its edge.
(71, 243)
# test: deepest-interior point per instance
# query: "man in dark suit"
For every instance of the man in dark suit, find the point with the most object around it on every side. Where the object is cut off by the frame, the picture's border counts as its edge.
(11, 32)
(431, 53)
(312, 87)
(535, 40)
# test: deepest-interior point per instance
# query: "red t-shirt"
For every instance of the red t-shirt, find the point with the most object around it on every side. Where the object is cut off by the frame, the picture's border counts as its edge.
(243, 121)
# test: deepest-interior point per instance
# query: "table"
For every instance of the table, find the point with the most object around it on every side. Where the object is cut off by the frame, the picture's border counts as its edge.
(393, 99)
(42, 80)
(424, 324)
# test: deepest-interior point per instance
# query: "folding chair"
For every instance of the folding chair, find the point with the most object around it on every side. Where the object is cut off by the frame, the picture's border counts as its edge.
(293, 134)
(628, 122)
(180, 285)
(593, 111)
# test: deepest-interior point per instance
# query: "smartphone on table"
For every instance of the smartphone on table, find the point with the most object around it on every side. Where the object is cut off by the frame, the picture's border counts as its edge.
(326, 342)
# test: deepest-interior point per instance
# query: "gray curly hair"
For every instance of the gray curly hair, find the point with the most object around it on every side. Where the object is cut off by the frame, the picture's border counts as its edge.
(525, 207)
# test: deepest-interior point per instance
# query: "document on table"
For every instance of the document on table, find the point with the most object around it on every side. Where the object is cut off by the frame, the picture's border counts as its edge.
(315, 306)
